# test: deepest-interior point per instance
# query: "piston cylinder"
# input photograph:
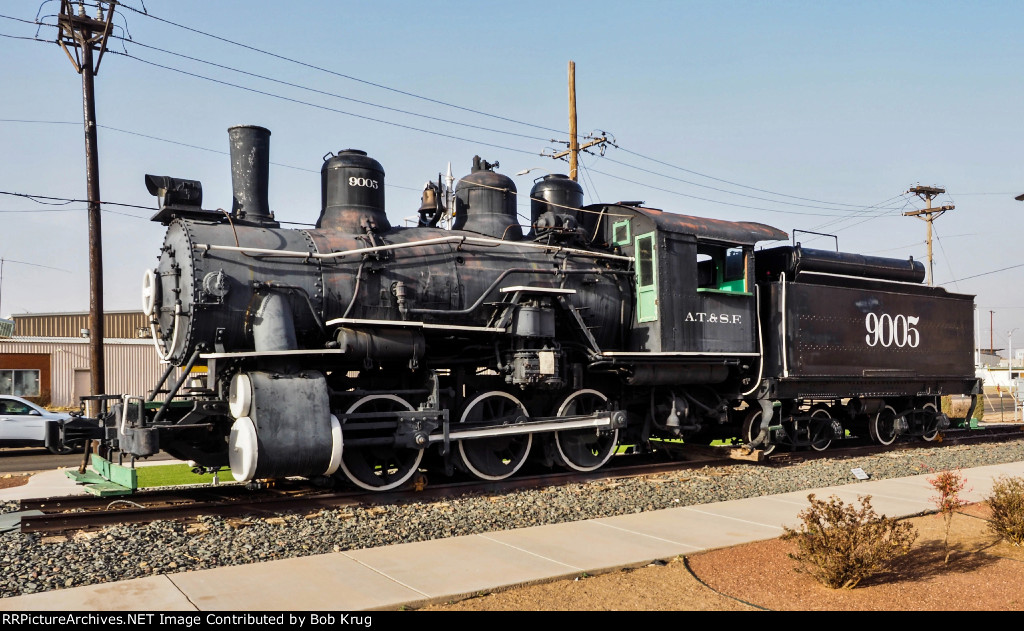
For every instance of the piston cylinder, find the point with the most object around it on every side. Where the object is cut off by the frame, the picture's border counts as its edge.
(283, 426)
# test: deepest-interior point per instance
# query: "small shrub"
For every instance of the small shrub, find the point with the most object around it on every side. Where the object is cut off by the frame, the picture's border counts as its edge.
(957, 409)
(1007, 503)
(840, 545)
(948, 501)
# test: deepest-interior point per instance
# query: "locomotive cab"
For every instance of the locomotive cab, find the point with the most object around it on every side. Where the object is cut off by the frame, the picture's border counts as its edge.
(692, 341)
(694, 293)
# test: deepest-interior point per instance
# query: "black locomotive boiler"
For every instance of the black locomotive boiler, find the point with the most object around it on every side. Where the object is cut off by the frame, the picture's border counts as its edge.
(368, 352)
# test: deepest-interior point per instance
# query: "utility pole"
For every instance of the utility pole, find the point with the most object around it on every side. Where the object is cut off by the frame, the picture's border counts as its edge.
(991, 332)
(929, 214)
(574, 141)
(82, 34)
(574, 144)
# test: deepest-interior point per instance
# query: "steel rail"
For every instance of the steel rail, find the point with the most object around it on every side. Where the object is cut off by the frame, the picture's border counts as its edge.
(64, 514)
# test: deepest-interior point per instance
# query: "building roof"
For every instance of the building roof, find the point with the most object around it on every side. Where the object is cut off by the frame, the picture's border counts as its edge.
(74, 340)
(116, 324)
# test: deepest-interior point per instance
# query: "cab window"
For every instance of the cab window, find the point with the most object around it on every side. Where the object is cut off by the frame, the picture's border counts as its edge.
(721, 268)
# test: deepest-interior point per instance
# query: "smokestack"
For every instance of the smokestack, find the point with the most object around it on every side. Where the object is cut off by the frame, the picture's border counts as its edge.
(250, 172)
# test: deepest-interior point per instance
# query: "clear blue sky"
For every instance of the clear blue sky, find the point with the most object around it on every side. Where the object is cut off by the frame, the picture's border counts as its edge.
(804, 115)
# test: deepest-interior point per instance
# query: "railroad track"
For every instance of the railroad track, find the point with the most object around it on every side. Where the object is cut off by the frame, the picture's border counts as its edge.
(81, 513)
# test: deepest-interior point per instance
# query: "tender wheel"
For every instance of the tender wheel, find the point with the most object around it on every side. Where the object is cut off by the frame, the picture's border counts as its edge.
(883, 428)
(377, 467)
(584, 449)
(929, 413)
(751, 428)
(820, 428)
(497, 457)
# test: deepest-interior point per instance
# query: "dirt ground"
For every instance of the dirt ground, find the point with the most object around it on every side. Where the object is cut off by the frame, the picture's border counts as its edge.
(983, 574)
(9, 480)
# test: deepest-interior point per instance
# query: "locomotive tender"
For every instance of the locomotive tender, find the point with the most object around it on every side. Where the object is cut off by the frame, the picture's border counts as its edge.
(368, 352)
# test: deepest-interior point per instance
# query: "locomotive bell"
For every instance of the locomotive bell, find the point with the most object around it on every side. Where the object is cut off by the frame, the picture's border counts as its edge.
(431, 206)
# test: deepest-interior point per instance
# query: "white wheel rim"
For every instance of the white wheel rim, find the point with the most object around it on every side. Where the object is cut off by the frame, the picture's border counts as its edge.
(462, 451)
(337, 444)
(826, 445)
(558, 443)
(394, 483)
(766, 447)
(878, 436)
(930, 436)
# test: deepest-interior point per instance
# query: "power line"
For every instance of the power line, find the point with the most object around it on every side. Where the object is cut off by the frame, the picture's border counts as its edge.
(854, 208)
(338, 74)
(196, 75)
(44, 210)
(713, 201)
(857, 208)
(59, 269)
(995, 271)
(34, 39)
(870, 217)
(332, 94)
(948, 266)
(753, 188)
(256, 49)
(180, 144)
(320, 107)
(298, 86)
(68, 200)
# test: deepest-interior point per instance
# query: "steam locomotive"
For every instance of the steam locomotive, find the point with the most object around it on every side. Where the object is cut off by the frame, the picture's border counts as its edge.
(367, 352)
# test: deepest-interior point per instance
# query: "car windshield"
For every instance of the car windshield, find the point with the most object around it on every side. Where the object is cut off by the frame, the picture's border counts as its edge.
(14, 407)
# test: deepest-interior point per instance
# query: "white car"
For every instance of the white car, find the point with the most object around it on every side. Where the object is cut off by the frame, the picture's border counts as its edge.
(23, 424)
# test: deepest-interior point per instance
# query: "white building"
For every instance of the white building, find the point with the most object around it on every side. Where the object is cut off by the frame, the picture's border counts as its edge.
(51, 365)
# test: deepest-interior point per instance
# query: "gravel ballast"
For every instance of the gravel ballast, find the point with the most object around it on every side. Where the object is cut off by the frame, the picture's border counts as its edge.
(35, 563)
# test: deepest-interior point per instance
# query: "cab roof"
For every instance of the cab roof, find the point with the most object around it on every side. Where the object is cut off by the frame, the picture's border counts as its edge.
(739, 232)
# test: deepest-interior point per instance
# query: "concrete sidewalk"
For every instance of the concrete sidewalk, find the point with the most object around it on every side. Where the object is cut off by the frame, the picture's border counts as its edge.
(415, 574)
(55, 483)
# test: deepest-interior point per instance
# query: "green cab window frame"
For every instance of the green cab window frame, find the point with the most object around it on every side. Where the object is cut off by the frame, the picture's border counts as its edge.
(645, 251)
(620, 232)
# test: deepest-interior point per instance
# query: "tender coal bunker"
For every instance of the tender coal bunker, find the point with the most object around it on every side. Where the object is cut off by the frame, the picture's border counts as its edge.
(793, 260)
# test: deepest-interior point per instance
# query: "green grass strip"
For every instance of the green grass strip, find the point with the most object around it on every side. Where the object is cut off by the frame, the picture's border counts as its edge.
(176, 475)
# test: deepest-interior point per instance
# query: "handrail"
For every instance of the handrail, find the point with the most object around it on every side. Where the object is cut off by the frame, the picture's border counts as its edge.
(207, 247)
